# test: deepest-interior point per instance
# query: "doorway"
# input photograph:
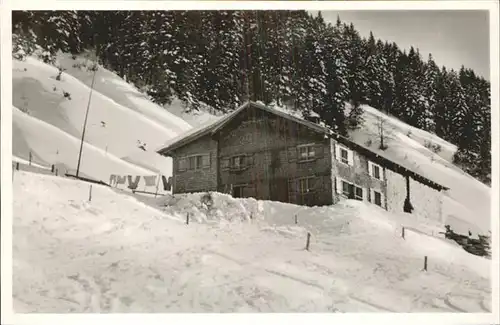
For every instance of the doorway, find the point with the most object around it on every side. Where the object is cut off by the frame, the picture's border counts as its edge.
(238, 191)
(279, 190)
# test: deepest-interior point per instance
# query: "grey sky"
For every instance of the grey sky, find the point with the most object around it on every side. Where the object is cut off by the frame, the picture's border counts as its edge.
(453, 37)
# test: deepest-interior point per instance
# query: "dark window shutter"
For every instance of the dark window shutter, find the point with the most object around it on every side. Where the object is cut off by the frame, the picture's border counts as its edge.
(191, 162)
(224, 163)
(292, 154)
(351, 191)
(292, 185)
(250, 159)
(319, 151)
(206, 161)
(182, 164)
(318, 184)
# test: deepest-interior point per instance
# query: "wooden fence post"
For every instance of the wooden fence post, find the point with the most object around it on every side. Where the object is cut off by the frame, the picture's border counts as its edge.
(308, 240)
(187, 218)
(90, 193)
(17, 165)
(57, 170)
(425, 263)
(52, 168)
(403, 232)
(296, 219)
(31, 157)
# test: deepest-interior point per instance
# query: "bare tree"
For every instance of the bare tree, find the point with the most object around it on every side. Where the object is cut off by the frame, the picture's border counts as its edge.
(380, 124)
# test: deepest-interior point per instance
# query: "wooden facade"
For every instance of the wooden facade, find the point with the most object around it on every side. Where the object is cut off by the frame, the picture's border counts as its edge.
(269, 155)
(257, 154)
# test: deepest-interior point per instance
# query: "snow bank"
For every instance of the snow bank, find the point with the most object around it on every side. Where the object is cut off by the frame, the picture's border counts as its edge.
(349, 217)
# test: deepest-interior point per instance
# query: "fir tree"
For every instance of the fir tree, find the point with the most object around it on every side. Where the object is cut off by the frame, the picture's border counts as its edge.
(430, 81)
(358, 83)
(331, 107)
(379, 79)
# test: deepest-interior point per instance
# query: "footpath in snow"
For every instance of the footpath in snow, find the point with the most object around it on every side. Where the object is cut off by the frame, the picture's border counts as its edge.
(124, 253)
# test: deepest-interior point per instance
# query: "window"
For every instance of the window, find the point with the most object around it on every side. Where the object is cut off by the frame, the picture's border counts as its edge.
(344, 155)
(303, 190)
(375, 170)
(238, 162)
(194, 162)
(352, 191)
(345, 188)
(306, 152)
(358, 193)
(306, 185)
(377, 198)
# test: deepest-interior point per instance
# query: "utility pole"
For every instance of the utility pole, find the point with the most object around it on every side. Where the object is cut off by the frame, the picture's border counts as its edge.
(85, 121)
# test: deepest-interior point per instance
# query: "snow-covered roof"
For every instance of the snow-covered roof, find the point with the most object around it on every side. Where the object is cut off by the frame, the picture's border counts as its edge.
(214, 127)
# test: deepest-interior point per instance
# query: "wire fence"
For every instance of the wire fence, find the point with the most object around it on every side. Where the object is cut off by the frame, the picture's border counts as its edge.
(31, 165)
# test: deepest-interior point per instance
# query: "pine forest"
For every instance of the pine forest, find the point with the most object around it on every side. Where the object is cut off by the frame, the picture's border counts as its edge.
(219, 59)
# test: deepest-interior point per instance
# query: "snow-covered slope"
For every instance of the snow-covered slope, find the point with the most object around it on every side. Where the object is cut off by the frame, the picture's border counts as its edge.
(119, 91)
(51, 145)
(117, 254)
(120, 117)
(194, 118)
(466, 204)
